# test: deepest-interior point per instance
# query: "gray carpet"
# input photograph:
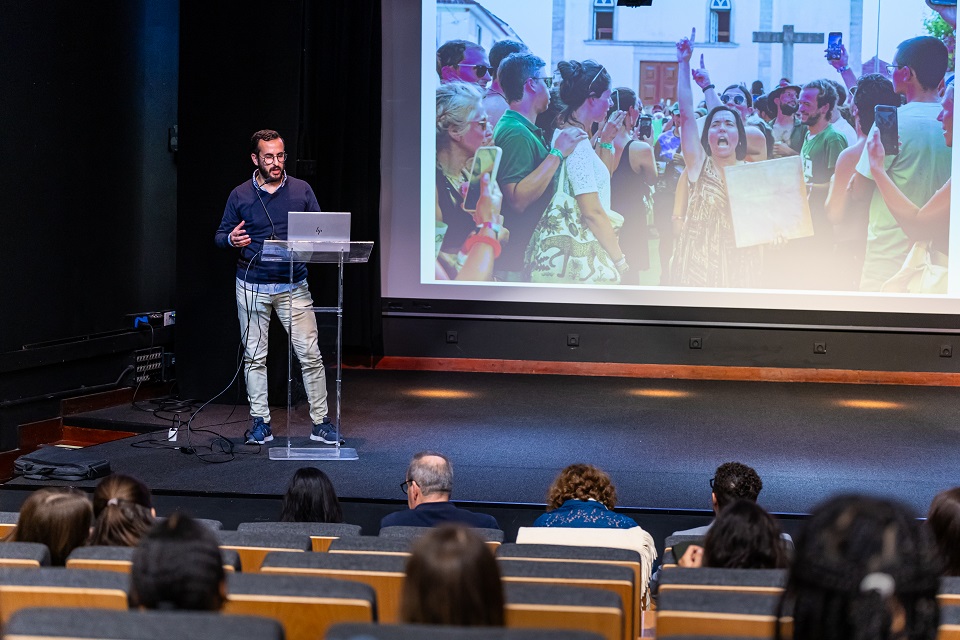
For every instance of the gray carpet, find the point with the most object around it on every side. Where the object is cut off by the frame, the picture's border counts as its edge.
(508, 436)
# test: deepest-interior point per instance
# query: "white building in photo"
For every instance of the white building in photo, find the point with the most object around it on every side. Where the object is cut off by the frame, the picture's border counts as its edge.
(637, 44)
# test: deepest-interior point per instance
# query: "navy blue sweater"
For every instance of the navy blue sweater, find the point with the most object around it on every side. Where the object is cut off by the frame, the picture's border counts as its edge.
(243, 204)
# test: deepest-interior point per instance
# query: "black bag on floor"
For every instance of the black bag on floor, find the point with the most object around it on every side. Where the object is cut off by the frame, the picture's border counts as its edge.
(55, 463)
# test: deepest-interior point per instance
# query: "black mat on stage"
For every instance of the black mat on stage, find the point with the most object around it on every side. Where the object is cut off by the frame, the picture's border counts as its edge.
(508, 436)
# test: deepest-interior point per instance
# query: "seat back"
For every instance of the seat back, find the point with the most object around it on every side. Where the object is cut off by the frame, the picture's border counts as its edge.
(949, 594)
(949, 623)
(688, 613)
(615, 579)
(305, 605)
(252, 547)
(441, 632)
(602, 555)
(321, 533)
(493, 537)
(770, 581)
(120, 559)
(384, 573)
(669, 557)
(372, 544)
(24, 555)
(539, 606)
(58, 587)
(40, 623)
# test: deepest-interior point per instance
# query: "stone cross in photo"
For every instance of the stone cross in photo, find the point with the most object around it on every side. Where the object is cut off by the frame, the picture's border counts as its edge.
(788, 37)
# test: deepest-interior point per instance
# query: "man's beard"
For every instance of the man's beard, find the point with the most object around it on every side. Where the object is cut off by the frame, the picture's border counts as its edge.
(266, 175)
(787, 109)
(812, 119)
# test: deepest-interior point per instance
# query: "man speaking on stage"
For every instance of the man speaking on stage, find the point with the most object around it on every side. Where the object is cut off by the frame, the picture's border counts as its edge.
(257, 211)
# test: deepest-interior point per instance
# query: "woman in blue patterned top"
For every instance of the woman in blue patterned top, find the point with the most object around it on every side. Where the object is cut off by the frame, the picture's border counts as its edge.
(583, 496)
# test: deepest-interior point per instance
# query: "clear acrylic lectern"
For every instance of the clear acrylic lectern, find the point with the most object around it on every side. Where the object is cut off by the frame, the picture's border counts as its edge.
(324, 252)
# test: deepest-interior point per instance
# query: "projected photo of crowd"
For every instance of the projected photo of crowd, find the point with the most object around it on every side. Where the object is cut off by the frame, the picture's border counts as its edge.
(716, 144)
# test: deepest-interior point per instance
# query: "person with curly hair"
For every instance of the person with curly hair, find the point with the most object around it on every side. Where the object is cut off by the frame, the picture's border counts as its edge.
(865, 568)
(583, 496)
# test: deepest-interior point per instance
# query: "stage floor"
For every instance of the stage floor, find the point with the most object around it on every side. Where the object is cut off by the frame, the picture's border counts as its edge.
(660, 440)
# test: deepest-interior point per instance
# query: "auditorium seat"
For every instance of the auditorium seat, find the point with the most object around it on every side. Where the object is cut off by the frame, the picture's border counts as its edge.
(215, 525)
(539, 606)
(734, 580)
(493, 537)
(305, 605)
(635, 539)
(385, 573)
(8, 522)
(669, 558)
(949, 622)
(440, 632)
(372, 544)
(58, 587)
(699, 614)
(321, 533)
(40, 623)
(254, 546)
(120, 559)
(559, 553)
(613, 578)
(24, 555)
(949, 594)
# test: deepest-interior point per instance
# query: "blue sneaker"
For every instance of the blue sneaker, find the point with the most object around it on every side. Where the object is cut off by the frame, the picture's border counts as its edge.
(260, 433)
(324, 432)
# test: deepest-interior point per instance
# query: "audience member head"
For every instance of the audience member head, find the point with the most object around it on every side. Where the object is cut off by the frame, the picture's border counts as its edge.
(737, 97)
(756, 88)
(550, 116)
(461, 118)
(178, 566)
(514, 75)
(582, 482)
(583, 84)
(871, 90)
(310, 497)
(865, 568)
(784, 99)
(765, 108)
(944, 521)
(734, 481)
(57, 517)
(625, 99)
(920, 61)
(463, 61)
(744, 536)
(499, 52)
(728, 132)
(452, 578)
(841, 92)
(123, 511)
(429, 479)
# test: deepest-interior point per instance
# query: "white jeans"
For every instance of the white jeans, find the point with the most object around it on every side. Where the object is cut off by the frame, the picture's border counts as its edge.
(254, 309)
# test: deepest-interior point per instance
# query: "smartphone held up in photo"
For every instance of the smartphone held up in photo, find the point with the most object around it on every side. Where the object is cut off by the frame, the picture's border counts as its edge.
(885, 117)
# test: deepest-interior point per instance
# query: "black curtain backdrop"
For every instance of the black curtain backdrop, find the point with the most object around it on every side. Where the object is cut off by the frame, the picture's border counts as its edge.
(310, 70)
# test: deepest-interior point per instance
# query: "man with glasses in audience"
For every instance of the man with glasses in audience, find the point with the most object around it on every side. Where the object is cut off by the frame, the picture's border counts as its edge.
(528, 166)
(428, 487)
(257, 211)
(464, 61)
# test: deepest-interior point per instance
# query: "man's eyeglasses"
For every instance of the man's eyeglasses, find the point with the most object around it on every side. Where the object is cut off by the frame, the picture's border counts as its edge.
(546, 80)
(891, 68)
(711, 483)
(479, 69)
(405, 486)
(737, 99)
(270, 158)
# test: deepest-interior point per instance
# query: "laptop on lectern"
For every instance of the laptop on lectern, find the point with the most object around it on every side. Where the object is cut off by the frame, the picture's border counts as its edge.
(326, 229)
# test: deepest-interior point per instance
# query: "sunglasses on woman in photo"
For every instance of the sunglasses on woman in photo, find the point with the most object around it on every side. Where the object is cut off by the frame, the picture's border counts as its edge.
(737, 99)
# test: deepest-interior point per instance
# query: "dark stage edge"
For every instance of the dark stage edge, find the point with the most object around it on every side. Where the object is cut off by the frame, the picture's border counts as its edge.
(509, 434)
